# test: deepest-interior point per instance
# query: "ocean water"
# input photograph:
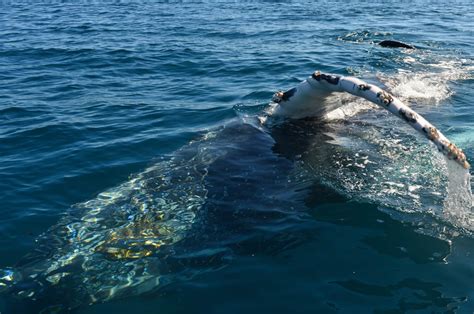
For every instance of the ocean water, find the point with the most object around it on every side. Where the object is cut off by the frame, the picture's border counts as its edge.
(135, 175)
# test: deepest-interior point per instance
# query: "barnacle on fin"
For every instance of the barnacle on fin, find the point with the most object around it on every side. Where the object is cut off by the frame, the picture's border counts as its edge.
(277, 97)
(331, 79)
(431, 133)
(450, 150)
(364, 87)
(385, 98)
(408, 116)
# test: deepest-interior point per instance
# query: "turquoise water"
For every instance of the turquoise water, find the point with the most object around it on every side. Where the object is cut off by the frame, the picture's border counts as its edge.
(135, 175)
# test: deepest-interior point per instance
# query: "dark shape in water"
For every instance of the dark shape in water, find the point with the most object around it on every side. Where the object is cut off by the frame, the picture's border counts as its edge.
(394, 44)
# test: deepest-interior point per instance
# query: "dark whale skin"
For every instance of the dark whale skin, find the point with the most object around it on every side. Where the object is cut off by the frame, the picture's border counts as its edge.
(394, 44)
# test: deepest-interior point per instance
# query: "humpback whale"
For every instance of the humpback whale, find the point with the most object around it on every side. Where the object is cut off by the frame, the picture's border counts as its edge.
(147, 232)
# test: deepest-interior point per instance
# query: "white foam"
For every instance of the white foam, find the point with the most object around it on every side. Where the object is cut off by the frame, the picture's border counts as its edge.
(421, 86)
(431, 85)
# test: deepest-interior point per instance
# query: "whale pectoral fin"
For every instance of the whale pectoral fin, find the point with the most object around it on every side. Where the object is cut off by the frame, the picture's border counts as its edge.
(389, 102)
(309, 99)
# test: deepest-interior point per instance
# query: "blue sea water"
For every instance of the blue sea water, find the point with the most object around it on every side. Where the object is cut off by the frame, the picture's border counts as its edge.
(135, 175)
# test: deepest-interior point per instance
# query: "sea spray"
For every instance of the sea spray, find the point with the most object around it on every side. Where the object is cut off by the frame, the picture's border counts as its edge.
(457, 207)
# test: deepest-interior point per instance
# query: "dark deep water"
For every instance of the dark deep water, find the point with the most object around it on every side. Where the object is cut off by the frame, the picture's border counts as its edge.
(134, 173)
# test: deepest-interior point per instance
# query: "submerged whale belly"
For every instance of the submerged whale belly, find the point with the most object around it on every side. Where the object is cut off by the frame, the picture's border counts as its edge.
(170, 222)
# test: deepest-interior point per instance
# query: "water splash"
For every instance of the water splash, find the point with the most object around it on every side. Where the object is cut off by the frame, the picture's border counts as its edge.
(458, 203)
(381, 164)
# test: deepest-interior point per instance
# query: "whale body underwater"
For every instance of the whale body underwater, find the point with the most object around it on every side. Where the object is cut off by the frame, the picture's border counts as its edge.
(164, 224)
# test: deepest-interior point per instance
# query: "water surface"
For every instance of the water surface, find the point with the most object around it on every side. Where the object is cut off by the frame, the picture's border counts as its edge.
(116, 113)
